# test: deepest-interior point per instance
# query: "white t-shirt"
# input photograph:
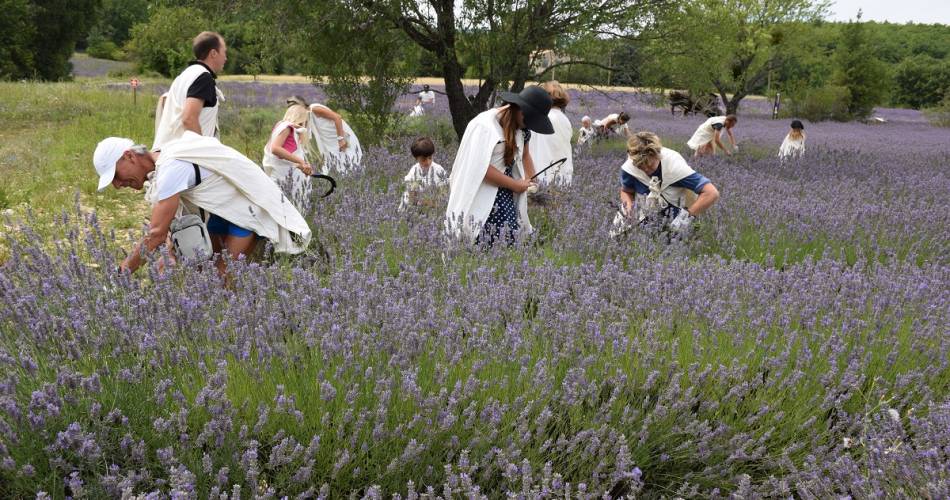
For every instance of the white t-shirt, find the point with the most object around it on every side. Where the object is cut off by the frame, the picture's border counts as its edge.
(427, 97)
(434, 176)
(177, 176)
(617, 127)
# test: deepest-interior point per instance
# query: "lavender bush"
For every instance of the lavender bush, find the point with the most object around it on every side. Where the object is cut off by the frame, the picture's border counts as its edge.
(796, 346)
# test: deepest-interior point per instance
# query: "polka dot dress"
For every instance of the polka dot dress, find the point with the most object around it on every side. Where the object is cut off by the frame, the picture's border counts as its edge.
(502, 222)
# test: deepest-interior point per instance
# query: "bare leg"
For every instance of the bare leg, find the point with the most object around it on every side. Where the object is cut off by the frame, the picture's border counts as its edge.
(705, 149)
(236, 246)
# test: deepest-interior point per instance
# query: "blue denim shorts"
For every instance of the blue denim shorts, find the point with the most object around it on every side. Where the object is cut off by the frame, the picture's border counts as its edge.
(220, 225)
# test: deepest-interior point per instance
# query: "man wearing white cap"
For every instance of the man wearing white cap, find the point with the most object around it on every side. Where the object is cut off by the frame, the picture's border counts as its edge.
(199, 174)
(192, 101)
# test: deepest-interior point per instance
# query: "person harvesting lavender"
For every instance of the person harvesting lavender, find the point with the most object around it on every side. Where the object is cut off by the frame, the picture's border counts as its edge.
(658, 186)
(794, 144)
(193, 99)
(285, 159)
(199, 174)
(707, 136)
(424, 174)
(613, 124)
(493, 169)
(585, 133)
(546, 149)
(335, 140)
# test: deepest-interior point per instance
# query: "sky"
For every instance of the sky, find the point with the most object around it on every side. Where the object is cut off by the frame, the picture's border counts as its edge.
(902, 11)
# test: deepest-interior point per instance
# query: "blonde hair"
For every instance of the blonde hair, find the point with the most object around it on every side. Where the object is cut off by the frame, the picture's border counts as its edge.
(559, 97)
(297, 114)
(643, 147)
(796, 134)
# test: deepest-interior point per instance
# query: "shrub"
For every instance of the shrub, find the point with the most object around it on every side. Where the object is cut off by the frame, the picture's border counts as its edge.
(921, 81)
(163, 44)
(863, 74)
(940, 115)
(830, 102)
(104, 49)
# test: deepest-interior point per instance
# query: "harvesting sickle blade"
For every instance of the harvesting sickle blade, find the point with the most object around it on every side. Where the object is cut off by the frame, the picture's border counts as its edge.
(556, 163)
(329, 179)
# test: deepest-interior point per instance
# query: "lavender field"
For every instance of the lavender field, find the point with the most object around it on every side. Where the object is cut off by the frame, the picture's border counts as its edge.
(797, 346)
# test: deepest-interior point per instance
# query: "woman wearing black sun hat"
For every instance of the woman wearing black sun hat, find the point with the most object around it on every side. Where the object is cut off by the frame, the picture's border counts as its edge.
(493, 168)
(794, 144)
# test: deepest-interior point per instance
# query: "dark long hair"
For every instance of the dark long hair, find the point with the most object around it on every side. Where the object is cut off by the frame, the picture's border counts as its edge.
(509, 127)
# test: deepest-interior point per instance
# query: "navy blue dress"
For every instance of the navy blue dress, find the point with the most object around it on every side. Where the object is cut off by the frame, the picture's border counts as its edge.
(502, 222)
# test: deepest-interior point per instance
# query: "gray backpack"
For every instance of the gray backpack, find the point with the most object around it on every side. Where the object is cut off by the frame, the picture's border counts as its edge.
(189, 234)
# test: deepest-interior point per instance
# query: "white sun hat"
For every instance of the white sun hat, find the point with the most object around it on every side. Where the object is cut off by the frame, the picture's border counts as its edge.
(108, 152)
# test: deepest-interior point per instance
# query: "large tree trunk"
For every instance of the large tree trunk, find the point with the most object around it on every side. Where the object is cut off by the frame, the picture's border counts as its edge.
(732, 104)
(462, 111)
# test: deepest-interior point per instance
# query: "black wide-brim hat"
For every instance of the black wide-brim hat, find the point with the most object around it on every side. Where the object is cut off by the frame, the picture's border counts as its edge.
(535, 103)
(797, 125)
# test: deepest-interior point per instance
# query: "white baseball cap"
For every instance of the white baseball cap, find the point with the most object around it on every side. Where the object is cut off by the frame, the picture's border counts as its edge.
(108, 152)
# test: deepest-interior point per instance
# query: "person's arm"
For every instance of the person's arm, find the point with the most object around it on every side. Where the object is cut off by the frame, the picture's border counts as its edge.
(277, 148)
(189, 114)
(496, 178)
(708, 195)
(717, 139)
(627, 202)
(528, 163)
(162, 215)
(732, 138)
(329, 114)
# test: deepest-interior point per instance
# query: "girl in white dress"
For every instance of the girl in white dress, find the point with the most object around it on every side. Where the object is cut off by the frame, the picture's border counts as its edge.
(794, 144)
(285, 155)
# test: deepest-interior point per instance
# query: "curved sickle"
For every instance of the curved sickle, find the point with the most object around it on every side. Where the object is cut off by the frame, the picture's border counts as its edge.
(329, 179)
(556, 163)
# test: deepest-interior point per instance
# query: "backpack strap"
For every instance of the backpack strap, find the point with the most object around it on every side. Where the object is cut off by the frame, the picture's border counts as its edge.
(198, 181)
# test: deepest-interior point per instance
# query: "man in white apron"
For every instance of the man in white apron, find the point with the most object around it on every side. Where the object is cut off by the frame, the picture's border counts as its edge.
(192, 101)
(199, 174)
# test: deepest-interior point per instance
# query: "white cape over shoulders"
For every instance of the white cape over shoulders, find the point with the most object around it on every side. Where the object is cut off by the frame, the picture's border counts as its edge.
(548, 148)
(470, 198)
(260, 205)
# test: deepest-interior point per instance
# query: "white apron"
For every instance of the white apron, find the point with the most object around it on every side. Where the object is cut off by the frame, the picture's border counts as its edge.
(674, 168)
(791, 148)
(705, 133)
(241, 192)
(171, 105)
(284, 172)
(549, 148)
(323, 132)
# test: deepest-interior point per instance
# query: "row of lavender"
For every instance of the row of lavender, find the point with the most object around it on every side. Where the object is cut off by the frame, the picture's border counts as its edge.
(796, 346)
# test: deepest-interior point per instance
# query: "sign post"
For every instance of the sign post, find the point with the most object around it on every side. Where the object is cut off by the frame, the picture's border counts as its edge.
(135, 85)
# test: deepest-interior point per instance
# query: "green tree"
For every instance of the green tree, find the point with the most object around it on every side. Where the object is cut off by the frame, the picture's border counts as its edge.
(16, 35)
(859, 70)
(163, 44)
(366, 78)
(501, 39)
(921, 81)
(113, 26)
(38, 37)
(733, 45)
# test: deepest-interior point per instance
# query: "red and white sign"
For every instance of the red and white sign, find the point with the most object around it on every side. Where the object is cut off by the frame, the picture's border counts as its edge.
(134, 82)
